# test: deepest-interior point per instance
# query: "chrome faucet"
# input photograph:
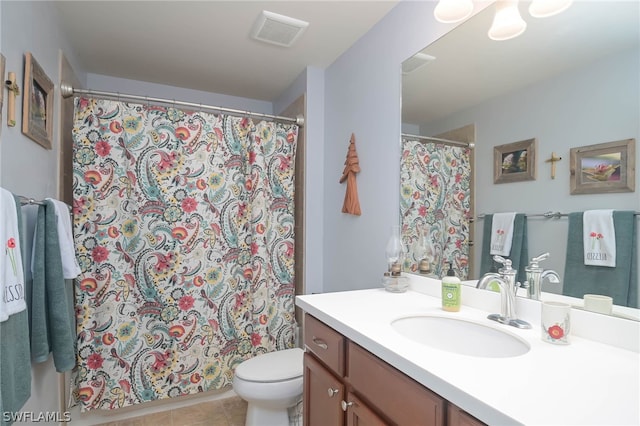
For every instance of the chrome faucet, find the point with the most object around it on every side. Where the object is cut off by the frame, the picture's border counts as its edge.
(536, 275)
(506, 279)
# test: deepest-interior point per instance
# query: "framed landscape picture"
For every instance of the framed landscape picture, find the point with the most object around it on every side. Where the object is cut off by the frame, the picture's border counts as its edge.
(603, 168)
(514, 162)
(37, 103)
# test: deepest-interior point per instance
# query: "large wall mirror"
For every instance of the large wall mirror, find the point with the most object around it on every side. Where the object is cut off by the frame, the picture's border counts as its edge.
(569, 81)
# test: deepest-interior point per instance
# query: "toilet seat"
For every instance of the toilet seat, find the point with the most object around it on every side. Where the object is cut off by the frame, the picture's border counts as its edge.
(272, 367)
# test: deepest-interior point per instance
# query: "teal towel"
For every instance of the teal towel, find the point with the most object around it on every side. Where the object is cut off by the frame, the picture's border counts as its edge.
(52, 328)
(15, 364)
(519, 254)
(621, 282)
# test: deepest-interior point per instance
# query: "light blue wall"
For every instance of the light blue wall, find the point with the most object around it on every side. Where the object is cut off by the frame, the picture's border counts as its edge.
(593, 104)
(142, 88)
(27, 26)
(310, 83)
(26, 168)
(362, 90)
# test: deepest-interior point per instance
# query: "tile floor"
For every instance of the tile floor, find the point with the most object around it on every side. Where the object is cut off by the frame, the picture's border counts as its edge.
(223, 412)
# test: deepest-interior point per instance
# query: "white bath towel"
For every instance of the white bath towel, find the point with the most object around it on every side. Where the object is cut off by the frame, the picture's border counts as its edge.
(599, 237)
(11, 273)
(70, 267)
(502, 233)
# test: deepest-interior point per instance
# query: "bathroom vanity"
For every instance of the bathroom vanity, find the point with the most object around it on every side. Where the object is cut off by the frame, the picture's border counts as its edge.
(333, 397)
(360, 370)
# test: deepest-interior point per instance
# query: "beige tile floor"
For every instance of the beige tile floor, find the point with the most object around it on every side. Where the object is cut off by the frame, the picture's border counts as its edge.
(224, 412)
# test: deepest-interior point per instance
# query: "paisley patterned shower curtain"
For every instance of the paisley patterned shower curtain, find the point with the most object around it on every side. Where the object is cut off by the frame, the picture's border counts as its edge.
(183, 224)
(435, 197)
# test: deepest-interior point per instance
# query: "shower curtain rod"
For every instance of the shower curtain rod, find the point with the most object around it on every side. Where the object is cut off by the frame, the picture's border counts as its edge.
(68, 90)
(432, 139)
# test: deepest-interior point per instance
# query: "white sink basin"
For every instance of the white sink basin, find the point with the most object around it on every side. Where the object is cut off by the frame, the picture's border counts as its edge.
(460, 336)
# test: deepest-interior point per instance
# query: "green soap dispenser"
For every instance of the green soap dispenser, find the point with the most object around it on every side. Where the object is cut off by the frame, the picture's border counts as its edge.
(451, 291)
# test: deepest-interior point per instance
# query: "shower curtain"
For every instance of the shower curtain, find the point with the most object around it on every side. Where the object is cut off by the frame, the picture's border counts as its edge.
(435, 198)
(183, 224)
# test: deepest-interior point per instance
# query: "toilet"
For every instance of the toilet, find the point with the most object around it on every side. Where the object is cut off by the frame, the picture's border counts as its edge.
(271, 383)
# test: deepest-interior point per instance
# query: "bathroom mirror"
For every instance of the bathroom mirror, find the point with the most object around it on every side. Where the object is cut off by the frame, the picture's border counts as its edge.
(584, 61)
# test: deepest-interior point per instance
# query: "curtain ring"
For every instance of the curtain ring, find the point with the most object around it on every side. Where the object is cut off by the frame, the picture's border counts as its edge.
(147, 99)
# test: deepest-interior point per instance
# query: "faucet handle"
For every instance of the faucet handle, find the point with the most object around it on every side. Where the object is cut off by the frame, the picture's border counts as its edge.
(502, 260)
(506, 269)
(535, 260)
(540, 258)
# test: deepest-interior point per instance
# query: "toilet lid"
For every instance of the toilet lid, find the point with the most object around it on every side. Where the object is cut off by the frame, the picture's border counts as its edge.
(272, 367)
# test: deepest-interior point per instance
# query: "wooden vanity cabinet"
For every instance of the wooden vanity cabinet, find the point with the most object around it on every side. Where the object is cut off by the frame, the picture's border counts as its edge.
(324, 388)
(323, 394)
(458, 417)
(359, 414)
(396, 396)
(344, 384)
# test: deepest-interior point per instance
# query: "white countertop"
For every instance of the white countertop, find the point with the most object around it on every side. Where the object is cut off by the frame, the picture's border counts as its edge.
(584, 383)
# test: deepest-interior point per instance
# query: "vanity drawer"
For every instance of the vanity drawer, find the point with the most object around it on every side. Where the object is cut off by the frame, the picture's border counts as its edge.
(326, 343)
(402, 400)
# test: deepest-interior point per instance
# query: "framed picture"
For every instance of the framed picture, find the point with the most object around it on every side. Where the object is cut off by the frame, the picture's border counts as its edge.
(37, 103)
(603, 168)
(515, 162)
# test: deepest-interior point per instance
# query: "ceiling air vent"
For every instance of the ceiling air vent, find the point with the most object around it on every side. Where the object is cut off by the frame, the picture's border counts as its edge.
(278, 29)
(415, 62)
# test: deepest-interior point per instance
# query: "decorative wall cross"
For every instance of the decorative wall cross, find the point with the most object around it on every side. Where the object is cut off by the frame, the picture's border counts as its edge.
(553, 160)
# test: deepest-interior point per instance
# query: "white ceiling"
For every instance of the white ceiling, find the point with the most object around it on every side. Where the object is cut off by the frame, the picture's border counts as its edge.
(206, 45)
(470, 68)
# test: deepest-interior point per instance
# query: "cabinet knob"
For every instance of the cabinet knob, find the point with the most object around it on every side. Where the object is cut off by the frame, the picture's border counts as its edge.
(319, 342)
(346, 405)
(332, 392)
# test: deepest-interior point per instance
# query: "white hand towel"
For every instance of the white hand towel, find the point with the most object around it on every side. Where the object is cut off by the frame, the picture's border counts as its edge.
(502, 233)
(11, 273)
(599, 238)
(70, 267)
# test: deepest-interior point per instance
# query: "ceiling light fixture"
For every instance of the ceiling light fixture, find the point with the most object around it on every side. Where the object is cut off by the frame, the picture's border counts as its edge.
(507, 22)
(546, 8)
(450, 11)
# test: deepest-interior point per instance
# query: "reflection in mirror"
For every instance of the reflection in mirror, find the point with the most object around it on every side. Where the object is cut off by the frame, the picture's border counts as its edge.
(568, 81)
(435, 205)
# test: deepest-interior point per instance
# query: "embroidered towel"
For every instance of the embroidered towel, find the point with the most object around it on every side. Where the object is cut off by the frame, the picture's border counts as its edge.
(620, 282)
(599, 238)
(11, 272)
(70, 267)
(502, 233)
(519, 246)
(15, 359)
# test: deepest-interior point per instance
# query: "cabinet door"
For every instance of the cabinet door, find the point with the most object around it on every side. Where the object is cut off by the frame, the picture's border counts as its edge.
(323, 394)
(457, 417)
(401, 399)
(358, 414)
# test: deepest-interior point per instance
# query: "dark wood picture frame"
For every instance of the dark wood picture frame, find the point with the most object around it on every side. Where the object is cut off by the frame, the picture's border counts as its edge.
(603, 168)
(515, 162)
(37, 103)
